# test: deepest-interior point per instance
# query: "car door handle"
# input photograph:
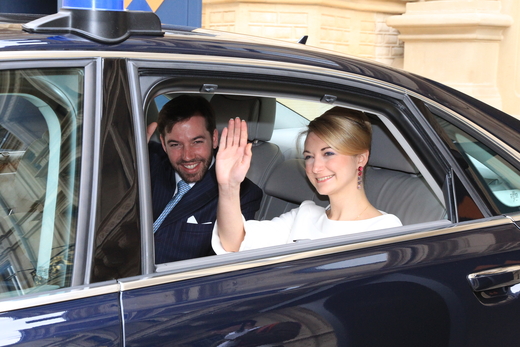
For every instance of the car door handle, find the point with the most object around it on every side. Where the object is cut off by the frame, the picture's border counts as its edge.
(495, 278)
(496, 286)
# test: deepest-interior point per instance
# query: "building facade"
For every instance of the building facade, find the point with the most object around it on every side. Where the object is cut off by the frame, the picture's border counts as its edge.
(470, 45)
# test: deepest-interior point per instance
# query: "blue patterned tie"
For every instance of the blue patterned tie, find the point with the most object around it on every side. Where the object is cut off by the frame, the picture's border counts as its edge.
(182, 188)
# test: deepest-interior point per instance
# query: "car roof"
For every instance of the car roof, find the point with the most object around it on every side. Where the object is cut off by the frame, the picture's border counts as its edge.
(204, 42)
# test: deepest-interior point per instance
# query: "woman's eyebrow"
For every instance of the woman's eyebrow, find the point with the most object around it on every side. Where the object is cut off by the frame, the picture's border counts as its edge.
(321, 150)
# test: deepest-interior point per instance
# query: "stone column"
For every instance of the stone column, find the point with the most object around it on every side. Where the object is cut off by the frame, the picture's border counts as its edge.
(455, 42)
(509, 63)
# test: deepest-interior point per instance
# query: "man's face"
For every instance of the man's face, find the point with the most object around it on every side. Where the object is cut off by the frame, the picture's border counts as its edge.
(189, 146)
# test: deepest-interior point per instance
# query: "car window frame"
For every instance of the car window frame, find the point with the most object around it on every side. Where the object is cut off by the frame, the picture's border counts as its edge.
(148, 77)
(430, 110)
(89, 65)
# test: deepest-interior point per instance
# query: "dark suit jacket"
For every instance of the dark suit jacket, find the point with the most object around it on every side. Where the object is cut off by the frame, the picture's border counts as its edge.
(176, 239)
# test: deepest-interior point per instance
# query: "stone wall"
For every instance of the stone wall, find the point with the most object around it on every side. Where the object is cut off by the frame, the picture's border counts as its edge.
(344, 26)
(459, 43)
(470, 45)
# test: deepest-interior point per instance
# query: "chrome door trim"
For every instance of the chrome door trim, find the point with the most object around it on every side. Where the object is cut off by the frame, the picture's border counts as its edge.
(515, 217)
(145, 59)
(214, 265)
(57, 296)
(143, 172)
(88, 176)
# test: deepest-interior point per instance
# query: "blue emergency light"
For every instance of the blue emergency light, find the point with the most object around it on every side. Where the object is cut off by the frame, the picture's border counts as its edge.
(104, 21)
(112, 5)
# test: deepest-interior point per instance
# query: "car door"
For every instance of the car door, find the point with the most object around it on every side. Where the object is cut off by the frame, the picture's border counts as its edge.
(444, 282)
(47, 125)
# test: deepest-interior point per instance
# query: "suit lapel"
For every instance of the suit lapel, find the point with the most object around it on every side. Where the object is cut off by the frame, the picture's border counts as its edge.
(163, 186)
(202, 193)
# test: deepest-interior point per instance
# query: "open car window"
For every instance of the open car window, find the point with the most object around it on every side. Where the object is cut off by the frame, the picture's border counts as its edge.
(395, 183)
(40, 122)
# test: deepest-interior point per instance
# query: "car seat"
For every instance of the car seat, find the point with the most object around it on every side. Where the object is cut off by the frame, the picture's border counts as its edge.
(260, 113)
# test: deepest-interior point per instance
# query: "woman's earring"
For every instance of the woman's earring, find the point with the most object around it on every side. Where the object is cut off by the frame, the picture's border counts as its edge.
(359, 177)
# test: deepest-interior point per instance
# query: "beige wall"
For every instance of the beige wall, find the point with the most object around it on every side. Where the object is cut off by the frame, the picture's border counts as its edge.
(352, 27)
(508, 77)
(471, 45)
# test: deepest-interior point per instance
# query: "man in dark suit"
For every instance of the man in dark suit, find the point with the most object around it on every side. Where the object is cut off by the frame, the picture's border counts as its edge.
(189, 138)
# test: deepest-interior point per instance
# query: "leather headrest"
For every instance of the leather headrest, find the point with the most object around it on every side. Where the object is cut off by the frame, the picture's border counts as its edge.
(259, 112)
(387, 153)
(289, 182)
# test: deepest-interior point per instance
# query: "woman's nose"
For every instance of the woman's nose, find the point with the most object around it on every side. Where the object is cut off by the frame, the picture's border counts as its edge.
(317, 166)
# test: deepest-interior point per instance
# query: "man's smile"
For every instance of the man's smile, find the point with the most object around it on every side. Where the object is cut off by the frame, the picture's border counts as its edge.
(190, 166)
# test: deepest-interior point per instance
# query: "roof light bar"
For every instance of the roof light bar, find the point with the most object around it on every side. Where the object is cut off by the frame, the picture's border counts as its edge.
(99, 22)
(113, 5)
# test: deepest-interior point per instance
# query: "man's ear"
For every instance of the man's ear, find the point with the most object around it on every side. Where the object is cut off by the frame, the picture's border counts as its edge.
(215, 138)
(162, 142)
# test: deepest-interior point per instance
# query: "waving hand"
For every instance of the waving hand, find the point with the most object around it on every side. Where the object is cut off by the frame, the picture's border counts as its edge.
(234, 154)
(233, 160)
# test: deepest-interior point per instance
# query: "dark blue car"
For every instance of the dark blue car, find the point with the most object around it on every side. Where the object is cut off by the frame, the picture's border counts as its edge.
(76, 242)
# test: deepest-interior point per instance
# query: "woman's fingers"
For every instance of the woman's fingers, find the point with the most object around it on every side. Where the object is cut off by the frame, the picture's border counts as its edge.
(223, 138)
(237, 132)
(243, 132)
(234, 135)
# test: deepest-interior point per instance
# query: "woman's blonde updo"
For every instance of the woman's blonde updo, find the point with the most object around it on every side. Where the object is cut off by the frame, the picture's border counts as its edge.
(347, 131)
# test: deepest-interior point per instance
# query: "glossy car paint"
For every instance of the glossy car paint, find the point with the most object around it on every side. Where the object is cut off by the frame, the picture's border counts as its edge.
(369, 296)
(93, 321)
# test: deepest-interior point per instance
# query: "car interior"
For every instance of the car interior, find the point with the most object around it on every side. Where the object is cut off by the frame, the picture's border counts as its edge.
(394, 184)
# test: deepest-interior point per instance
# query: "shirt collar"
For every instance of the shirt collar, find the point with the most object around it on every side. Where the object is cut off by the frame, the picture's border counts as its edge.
(178, 177)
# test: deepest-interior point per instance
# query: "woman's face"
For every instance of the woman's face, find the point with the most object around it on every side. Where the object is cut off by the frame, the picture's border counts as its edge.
(329, 171)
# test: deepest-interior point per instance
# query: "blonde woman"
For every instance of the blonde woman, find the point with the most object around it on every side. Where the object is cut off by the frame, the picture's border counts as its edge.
(336, 151)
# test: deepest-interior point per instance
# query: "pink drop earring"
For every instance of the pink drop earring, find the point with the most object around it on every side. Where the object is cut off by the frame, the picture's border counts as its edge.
(359, 177)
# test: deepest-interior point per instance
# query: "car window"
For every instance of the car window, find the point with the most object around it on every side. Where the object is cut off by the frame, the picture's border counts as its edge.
(286, 185)
(287, 117)
(40, 122)
(297, 112)
(292, 117)
(497, 177)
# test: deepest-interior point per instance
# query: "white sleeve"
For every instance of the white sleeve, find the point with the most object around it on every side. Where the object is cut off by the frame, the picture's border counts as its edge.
(260, 234)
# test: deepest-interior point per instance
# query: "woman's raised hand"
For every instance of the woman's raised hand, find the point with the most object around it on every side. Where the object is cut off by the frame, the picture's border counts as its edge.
(233, 160)
(234, 154)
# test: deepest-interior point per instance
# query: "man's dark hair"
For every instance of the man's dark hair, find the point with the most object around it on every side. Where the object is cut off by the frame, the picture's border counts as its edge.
(183, 108)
